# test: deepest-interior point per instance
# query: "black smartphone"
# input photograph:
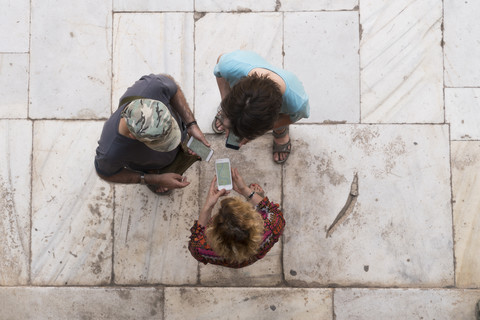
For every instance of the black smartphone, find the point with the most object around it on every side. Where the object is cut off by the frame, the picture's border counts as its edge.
(233, 142)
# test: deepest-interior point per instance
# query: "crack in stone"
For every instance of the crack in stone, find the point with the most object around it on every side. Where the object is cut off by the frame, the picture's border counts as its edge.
(348, 207)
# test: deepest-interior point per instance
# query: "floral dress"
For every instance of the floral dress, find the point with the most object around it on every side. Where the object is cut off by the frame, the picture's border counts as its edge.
(274, 223)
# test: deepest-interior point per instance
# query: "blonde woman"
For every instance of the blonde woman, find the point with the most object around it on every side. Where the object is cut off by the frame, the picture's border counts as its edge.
(242, 231)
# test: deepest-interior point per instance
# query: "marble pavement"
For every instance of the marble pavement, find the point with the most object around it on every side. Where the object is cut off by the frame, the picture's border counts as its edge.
(394, 91)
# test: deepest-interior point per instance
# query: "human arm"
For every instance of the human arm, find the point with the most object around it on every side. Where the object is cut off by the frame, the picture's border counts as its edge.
(166, 180)
(240, 187)
(179, 103)
(222, 83)
(212, 197)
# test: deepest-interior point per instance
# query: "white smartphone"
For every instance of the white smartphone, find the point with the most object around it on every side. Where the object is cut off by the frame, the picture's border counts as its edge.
(224, 174)
(199, 148)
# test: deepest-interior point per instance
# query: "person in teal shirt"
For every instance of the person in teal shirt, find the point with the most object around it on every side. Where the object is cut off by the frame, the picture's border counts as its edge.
(258, 97)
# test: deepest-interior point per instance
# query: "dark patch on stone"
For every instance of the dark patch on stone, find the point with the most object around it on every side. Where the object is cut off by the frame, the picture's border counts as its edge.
(199, 15)
(124, 294)
(293, 272)
(366, 268)
(278, 5)
(273, 307)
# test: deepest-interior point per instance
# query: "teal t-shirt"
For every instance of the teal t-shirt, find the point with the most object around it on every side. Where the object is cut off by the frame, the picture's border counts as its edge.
(237, 64)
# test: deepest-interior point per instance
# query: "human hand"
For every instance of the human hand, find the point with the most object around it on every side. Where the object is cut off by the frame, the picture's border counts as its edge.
(214, 194)
(238, 183)
(166, 181)
(244, 142)
(194, 131)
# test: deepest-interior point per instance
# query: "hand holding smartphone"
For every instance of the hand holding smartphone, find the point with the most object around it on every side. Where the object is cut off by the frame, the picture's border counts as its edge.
(199, 148)
(224, 174)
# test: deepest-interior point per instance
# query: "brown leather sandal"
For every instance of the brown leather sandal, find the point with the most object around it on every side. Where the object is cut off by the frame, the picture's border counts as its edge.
(281, 148)
(218, 117)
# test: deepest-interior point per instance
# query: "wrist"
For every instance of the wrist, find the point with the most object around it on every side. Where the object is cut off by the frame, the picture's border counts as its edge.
(142, 179)
(191, 123)
(250, 196)
(246, 192)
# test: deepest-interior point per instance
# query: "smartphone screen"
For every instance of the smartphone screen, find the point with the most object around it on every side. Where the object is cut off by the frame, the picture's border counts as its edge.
(199, 148)
(233, 142)
(224, 177)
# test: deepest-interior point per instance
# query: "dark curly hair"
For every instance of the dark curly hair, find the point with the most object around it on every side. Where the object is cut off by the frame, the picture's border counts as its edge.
(252, 106)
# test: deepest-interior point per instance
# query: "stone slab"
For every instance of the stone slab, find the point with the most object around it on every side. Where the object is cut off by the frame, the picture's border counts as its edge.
(313, 41)
(212, 42)
(14, 25)
(399, 231)
(461, 111)
(152, 233)
(148, 5)
(318, 5)
(461, 29)
(401, 61)
(15, 178)
(248, 303)
(81, 303)
(466, 209)
(14, 85)
(235, 5)
(399, 304)
(137, 51)
(255, 164)
(72, 208)
(70, 59)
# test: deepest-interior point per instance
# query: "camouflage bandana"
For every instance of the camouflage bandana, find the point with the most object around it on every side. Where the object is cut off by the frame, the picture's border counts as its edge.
(151, 122)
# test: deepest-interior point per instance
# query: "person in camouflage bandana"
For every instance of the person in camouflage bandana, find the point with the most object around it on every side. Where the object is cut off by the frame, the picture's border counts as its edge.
(145, 134)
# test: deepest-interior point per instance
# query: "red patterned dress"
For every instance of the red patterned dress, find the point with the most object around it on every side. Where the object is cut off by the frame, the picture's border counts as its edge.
(274, 223)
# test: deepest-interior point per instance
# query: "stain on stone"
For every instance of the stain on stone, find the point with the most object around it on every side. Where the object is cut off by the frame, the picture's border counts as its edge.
(273, 308)
(199, 15)
(366, 268)
(124, 294)
(278, 5)
(360, 30)
(72, 35)
(96, 268)
(334, 121)
(467, 160)
(325, 167)
(243, 10)
(293, 272)
(95, 210)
